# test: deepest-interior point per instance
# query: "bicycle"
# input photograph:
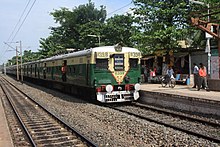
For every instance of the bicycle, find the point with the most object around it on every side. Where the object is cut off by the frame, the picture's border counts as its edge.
(166, 80)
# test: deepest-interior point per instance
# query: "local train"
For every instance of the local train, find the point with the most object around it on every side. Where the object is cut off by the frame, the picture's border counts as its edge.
(108, 73)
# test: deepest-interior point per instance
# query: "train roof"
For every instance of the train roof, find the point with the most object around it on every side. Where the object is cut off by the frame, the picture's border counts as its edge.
(86, 52)
(112, 49)
(90, 51)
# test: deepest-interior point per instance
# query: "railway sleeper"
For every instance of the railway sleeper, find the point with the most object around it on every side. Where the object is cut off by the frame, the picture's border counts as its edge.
(45, 132)
(57, 139)
(44, 127)
(66, 143)
(52, 135)
(41, 124)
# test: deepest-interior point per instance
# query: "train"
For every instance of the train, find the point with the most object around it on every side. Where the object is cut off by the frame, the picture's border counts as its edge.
(107, 74)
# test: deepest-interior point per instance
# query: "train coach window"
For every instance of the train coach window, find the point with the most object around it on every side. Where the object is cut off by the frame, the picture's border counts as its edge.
(102, 64)
(133, 63)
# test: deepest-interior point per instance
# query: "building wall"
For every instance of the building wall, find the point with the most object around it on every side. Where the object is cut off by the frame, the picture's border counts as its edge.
(214, 67)
(199, 57)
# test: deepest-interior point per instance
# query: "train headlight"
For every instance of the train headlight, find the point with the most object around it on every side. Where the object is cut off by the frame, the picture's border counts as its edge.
(109, 88)
(137, 87)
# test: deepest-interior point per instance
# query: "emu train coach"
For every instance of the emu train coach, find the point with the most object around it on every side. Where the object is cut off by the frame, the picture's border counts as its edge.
(107, 74)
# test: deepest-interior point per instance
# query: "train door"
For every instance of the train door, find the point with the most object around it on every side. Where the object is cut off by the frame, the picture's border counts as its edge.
(27, 70)
(38, 70)
(52, 71)
(35, 70)
(45, 70)
(88, 71)
(31, 70)
(64, 70)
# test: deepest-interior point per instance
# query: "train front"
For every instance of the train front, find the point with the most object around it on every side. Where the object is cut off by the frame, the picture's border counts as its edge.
(117, 74)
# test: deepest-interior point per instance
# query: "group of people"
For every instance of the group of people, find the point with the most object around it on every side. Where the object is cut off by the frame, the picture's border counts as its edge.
(200, 77)
(153, 72)
(199, 72)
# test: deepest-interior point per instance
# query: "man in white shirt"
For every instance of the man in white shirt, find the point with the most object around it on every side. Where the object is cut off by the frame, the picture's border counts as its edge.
(196, 75)
(169, 74)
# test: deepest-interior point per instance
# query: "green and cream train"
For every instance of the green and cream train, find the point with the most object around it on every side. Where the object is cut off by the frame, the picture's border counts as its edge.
(107, 74)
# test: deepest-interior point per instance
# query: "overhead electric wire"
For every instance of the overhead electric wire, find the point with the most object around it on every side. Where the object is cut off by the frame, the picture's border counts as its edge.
(120, 8)
(20, 24)
(24, 20)
(19, 20)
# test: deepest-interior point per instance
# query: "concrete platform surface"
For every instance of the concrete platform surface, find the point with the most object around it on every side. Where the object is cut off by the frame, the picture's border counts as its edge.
(182, 97)
(5, 137)
(182, 90)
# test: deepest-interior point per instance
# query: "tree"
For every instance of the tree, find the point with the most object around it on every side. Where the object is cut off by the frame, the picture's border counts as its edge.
(119, 28)
(74, 26)
(162, 22)
(28, 56)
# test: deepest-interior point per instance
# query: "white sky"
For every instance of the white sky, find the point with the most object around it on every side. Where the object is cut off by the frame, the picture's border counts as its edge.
(37, 23)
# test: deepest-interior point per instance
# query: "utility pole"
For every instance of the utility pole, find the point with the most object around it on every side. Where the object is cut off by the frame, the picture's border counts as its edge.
(208, 36)
(208, 27)
(21, 66)
(4, 69)
(21, 63)
(17, 63)
(209, 47)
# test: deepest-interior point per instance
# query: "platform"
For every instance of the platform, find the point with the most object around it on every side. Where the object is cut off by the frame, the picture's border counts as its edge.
(5, 137)
(182, 97)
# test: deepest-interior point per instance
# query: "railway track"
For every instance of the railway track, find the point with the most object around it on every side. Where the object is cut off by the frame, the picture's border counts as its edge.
(40, 126)
(194, 126)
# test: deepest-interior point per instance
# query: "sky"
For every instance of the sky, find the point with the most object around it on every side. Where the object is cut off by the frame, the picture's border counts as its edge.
(14, 28)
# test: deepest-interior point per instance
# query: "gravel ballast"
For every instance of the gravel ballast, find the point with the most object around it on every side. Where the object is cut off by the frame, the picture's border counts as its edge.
(107, 127)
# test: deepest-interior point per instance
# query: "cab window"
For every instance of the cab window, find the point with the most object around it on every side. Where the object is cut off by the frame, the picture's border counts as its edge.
(101, 64)
(133, 63)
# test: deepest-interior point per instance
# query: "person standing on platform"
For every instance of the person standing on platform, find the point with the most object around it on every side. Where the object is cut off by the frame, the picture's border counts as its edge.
(202, 77)
(169, 74)
(195, 74)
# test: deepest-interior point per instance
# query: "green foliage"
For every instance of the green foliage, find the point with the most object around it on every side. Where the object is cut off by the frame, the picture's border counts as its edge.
(28, 56)
(154, 25)
(77, 24)
(74, 26)
(162, 23)
(119, 29)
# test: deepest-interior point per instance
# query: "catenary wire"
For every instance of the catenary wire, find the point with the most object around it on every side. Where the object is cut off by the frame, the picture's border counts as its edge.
(20, 24)
(19, 20)
(119, 8)
(24, 20)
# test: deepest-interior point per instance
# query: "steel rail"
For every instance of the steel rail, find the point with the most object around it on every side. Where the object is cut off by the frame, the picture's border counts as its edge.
(167, 125)
(186, 117)
(84, 139)
(18, 117)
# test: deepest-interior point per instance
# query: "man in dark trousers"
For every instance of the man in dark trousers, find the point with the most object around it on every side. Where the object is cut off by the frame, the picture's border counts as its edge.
(195, 74)
(202, 77)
